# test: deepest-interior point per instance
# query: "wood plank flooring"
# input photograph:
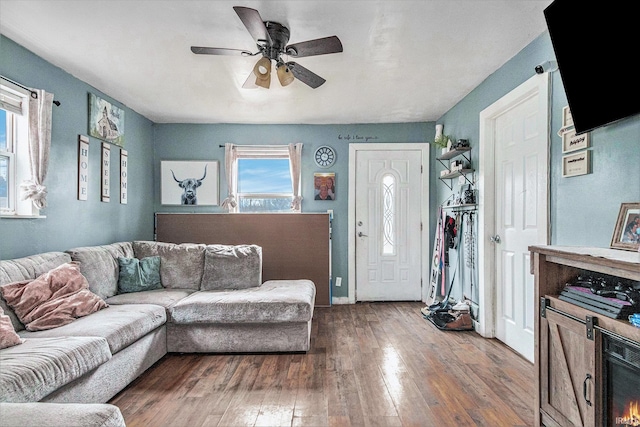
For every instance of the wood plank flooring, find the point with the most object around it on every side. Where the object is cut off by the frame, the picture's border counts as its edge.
(370, 364)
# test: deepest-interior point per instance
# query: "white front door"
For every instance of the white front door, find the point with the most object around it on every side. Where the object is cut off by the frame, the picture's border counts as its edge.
(388, 203)
(521, 157)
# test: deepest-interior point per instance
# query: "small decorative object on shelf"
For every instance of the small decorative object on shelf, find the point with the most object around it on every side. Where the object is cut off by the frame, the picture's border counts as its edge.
(635, 319)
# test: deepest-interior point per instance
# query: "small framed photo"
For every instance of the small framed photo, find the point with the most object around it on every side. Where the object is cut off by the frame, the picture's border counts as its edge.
(324, 186)
(626, 235)
(572, 142)
(189, 183)
(576, 164)
(567, 119)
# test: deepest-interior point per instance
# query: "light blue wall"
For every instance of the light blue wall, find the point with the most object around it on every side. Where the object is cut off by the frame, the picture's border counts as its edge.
(201, 142)
(583, 209)
(70, 222)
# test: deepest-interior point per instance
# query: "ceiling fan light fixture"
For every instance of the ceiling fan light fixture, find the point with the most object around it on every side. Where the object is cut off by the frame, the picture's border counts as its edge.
(262, 70)
(284, 74)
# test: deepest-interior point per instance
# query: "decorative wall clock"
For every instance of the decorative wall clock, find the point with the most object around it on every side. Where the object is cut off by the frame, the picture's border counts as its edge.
(325, 156)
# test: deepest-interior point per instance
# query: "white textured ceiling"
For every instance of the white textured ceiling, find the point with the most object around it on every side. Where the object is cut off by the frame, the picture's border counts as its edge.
(403, 61)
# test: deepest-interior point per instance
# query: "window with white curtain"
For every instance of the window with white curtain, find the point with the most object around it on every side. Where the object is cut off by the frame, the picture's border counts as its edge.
(264, 179)
(14, 150)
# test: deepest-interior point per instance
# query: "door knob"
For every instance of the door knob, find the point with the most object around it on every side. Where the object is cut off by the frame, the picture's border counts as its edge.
(495, 239)
(360, 234)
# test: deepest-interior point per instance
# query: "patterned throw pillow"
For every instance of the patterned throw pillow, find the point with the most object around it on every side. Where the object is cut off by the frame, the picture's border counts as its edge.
(139, 274)
(8, 336)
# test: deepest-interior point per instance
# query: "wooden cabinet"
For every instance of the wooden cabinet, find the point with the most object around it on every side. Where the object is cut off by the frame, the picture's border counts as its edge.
(568, 338)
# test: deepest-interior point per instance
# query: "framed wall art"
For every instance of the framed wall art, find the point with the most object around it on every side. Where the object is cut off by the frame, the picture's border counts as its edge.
(626, 235)
(573, 142)
(105, 178)
(106, 121)
(124, 164)
(567, 119)
(576, 164)
(189, 182)
(324, 186)
(83, 167)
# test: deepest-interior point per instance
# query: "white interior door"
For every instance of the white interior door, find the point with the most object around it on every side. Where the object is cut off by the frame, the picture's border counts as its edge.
(388, 203)
(520, 217)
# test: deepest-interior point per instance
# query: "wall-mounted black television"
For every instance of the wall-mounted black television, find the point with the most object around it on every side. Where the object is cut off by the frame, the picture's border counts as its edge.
(596, 44)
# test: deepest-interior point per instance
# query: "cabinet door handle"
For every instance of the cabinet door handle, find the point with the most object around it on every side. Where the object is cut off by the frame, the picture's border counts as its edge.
(584, 389)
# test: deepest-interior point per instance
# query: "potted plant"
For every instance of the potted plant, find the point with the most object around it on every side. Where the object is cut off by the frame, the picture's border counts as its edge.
(441, 140)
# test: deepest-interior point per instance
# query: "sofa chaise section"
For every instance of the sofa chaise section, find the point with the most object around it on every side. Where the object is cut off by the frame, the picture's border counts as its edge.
(273, 317)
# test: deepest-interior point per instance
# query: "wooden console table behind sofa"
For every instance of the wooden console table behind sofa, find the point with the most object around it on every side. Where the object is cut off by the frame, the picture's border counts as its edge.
(294, 246)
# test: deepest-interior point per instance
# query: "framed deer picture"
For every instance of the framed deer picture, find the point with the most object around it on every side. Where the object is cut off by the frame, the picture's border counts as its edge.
(189, 182)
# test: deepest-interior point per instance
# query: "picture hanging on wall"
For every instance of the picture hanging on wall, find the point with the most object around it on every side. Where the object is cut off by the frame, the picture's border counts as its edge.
(324, 184)
(576, 164)
(83, 167)
(106, 121)
(189, 182)
(124, 163)
(627, 232)
(573, 142)
(105, 178)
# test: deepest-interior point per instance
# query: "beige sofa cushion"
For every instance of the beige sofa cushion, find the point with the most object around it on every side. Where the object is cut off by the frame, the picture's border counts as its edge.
(99, 264)
(181, 265)
(66, 414)
(231, 267)
(276, 301)
(39, 366)
(120, 325)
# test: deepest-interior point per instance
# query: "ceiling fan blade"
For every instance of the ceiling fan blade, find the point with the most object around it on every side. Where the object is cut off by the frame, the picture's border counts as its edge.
(305, 76)
(219, 51)
(252, 20)
(321, 46)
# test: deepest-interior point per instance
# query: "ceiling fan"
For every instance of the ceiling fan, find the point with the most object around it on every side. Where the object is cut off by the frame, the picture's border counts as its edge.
(271, 39)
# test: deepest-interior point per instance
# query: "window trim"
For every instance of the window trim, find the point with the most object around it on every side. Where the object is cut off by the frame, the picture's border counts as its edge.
(260, 152)
(19, 168)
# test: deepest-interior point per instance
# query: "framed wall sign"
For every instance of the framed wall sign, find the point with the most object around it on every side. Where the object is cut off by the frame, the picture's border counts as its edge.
(573, 142)
(189, 182)
(567, 119)
(83, 167)
(576, 164)
(124, 159)
(105, 178)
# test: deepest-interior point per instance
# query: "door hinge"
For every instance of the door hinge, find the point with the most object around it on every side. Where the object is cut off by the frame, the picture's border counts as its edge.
(591, 323)
(544, 303)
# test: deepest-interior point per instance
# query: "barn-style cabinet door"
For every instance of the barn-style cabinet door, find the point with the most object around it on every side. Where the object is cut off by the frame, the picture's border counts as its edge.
(568, 388)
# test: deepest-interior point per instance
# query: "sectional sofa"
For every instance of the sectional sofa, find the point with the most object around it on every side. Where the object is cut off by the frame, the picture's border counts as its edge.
(145, 299)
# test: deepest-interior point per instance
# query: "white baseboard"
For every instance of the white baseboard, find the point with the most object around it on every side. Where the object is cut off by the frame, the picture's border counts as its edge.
(340, 300)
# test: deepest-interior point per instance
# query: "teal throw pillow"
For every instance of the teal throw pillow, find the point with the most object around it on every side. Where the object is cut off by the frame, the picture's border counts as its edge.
(139, 274)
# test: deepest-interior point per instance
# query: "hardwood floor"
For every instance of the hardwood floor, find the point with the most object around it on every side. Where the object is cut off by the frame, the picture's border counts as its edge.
(370, 364)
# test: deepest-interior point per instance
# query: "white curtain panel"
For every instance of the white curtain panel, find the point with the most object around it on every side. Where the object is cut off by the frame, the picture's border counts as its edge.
(39, 145)
(295, 162)
(230, 164)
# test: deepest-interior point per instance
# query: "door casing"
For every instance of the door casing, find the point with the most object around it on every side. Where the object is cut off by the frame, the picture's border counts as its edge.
(486, 195)
(424, 215)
